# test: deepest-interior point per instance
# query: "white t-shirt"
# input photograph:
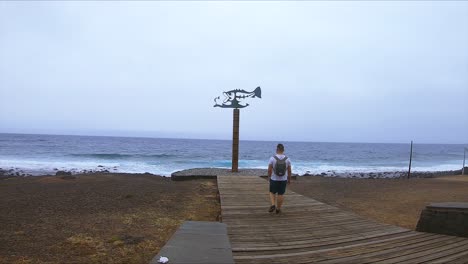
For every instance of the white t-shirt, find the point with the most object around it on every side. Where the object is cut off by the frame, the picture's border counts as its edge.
(272, 162)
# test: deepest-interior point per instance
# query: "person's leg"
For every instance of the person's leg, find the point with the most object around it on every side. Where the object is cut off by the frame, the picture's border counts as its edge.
(272, 198)
(280, 199)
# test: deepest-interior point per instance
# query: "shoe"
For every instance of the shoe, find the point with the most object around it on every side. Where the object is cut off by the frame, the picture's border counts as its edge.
(272, 208)
(278, 210)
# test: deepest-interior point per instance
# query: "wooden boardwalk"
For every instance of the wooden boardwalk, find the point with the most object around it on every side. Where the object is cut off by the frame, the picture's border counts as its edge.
(308, 231)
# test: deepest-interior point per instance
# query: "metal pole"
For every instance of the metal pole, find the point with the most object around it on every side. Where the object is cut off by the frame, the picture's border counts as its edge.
(464, 155)
(411, 157)
(235, 141)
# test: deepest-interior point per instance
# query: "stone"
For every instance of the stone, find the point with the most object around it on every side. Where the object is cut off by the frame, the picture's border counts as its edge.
(445, 218)
(68, 177)
(198, 242)
(63, 173)
(465, 171)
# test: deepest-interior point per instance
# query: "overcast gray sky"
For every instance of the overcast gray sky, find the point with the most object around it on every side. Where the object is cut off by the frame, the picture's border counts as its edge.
(380, 71)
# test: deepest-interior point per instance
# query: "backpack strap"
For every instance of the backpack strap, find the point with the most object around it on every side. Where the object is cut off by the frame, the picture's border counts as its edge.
(278, 159)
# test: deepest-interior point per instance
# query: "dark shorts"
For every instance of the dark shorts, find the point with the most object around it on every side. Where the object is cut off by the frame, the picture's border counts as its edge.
(278, 187)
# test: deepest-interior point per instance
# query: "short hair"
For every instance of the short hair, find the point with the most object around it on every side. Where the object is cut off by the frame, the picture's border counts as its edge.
(280, 147)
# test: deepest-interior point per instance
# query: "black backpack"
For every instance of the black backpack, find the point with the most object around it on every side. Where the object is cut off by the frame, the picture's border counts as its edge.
(280, 166)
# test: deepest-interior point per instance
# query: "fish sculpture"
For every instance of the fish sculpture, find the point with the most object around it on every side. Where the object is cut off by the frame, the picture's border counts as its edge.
(234, 98)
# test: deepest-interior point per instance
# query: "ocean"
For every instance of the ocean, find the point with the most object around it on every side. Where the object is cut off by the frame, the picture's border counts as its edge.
(45, 154)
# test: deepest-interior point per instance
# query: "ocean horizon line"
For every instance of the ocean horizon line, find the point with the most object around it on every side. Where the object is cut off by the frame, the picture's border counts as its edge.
(245, 140)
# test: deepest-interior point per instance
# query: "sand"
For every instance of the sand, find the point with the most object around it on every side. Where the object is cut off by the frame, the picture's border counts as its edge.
(99, 218)
(392, 201)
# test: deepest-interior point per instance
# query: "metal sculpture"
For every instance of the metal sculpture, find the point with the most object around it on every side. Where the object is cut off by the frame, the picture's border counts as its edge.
(234, 98)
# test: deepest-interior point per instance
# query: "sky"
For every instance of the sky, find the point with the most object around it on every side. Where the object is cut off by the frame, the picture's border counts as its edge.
(339, 71)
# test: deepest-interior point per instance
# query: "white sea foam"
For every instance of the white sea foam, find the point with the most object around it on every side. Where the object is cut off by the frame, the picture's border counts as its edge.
(318, 169)
(41, 167)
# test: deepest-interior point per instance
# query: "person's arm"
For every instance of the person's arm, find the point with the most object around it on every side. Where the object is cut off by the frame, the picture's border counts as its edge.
(270, 171)
(289, 174)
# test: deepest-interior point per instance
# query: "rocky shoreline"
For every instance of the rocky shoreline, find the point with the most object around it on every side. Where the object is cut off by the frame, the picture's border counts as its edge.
(386, 175)
(213, 172)
(207, 172)
(17, 172)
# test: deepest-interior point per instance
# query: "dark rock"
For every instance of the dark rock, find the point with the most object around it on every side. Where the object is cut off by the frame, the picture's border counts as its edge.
(63, 173)
(323, 174)
(55, 169)
(68, 177)
(465, 171)
(449, 218)
(100, 166)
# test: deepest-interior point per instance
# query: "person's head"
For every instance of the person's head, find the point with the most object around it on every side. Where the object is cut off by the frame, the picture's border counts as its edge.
(280, 149)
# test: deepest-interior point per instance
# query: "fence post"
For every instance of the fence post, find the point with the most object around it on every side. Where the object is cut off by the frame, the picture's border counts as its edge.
(464, 155)
(411, 157)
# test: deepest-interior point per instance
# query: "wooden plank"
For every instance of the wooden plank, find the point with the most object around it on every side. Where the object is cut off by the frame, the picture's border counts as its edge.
(371, 255)
(313, 257)
(333, 240)
(308, 231)
(454, 257)
(410, 256)
(463, 250)
(314, 248)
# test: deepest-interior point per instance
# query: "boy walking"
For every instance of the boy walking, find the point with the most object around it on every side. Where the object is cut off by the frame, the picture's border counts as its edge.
(278, 166)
